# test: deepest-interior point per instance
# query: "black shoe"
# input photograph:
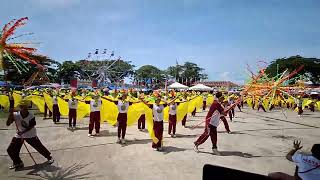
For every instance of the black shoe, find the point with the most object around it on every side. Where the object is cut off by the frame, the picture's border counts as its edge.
(17, 166)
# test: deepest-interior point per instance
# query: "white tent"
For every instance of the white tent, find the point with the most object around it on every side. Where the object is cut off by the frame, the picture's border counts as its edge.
(200, 87)
(178, 86)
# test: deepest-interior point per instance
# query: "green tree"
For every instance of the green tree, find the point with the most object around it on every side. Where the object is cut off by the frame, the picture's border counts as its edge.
(68, 70)
(311, 70)
(144, 73)
(20, 74)
(188, 73)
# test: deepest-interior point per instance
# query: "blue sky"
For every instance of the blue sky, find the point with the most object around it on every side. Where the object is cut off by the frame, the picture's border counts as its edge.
(221, 36)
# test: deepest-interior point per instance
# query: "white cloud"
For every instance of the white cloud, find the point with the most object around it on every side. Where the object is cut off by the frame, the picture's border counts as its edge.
(224, 76)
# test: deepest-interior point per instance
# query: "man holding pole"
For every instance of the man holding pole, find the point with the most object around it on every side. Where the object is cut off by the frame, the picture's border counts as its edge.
(212, 122)
(25, 123)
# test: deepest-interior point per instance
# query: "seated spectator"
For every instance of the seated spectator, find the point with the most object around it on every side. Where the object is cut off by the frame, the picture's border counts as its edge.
(308, 166)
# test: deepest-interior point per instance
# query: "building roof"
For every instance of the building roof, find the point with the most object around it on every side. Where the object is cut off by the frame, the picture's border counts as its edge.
(220, 84)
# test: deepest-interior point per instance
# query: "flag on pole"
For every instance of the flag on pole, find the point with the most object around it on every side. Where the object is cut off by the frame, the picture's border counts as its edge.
(97, 51)
(112, 53)
(104, 51)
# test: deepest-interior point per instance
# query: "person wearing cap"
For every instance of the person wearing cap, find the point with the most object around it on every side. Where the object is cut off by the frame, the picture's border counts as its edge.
(204, 102)
(231, 101)
(172, 117)
(223, 117)
(184, 120)
(212, 121)
(157, 111)
(123, 106)
(55, 109)
(95, 107)
(307, 165)
(158, 116)
(25, 123)
(299, 105)
(225, 103)
(73, 106)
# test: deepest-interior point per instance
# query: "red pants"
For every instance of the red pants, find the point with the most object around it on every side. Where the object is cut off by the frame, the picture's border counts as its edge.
(311, 107)
(55, 113)
(239, 107)
(230, 115)
(122, 126)
(194, 112)
(226, 125)
(212, 133)
(142, 122)
(260, 106)
(46, 109)
(172, 124)
(94, 121)
(11, 103)
(232, 111)
(204, 105)
(72, 117)
(158, 132)
(300, 111)
(16, 144)
(184, 120)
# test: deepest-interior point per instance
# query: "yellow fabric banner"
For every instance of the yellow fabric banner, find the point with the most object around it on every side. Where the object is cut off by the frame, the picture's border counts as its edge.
(134, 113)
(182, 110)
(38, 101)
(4, 101)
(149, 121)
(109, 112)
(63, 107)
(17, 98)
(48, 101)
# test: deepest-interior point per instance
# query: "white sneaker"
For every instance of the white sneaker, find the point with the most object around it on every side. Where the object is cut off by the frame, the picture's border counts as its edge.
(118, 141)
(195, 148)
(174, 136)
(90, 135)
(155, 149)
(123, 141)
(50, 161)
(215, 151)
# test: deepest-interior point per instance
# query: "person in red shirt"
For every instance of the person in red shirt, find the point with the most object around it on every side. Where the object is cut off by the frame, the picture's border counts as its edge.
(212, 121)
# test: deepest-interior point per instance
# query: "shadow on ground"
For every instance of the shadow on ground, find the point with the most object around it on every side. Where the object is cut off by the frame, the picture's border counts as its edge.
(46, 171)
(232, 153)
(170, 149)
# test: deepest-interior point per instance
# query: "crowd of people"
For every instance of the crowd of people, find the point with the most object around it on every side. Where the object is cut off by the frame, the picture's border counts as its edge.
(120, 108)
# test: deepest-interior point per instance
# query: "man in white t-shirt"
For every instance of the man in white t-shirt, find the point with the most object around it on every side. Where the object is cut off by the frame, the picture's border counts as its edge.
(26, 131)
(308, 166)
